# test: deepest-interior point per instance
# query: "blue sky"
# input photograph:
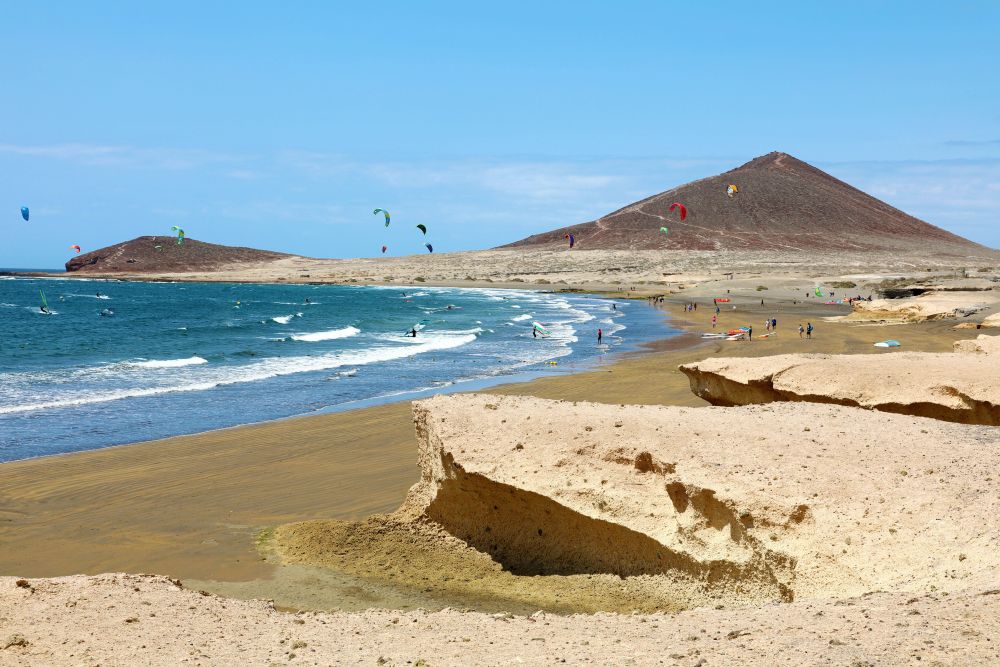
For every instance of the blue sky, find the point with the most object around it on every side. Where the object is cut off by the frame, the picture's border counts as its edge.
(282, 127)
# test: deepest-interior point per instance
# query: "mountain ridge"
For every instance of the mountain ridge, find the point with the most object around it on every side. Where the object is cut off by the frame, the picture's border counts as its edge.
(782, 202)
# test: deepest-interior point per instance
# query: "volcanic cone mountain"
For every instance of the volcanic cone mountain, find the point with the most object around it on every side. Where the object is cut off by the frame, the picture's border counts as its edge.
(781, 203)
(151, 254)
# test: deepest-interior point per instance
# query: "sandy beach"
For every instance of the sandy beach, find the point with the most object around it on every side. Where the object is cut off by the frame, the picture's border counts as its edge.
(310, 513)
(533, 334)
(190, 506)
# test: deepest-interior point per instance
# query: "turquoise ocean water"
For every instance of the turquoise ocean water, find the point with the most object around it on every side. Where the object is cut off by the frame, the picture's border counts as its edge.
(167, 359)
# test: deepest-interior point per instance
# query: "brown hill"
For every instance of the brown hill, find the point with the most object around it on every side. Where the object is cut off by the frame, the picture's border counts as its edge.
(782, 203)
(162, 254)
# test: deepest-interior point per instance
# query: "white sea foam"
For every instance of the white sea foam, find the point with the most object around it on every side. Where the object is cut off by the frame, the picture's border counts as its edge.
(284, 319)
(103, 297)
(168, 363)
(521, 318)
(216, 376)
(333, 334)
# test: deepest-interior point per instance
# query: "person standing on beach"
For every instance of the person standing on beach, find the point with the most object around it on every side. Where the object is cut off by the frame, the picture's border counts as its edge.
(801, 331)
(715, 318)
(809, 329)
(774, 324)
(600, 335)
(749, 334)
(767, 324)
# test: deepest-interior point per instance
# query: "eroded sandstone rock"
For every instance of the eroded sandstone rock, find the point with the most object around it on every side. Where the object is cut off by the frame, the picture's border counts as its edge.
(779, 500)
(962, 387)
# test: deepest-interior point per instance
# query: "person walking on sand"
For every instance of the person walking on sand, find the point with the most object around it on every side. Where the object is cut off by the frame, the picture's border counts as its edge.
(600, 335)
(767, 324)
(774, 324)
(715, 319)
(749, 333)
(809, 329)
(801, 331)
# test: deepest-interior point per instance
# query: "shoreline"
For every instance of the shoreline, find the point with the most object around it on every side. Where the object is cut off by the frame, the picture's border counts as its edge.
(474, 384)
(191, 506)
(27, 481)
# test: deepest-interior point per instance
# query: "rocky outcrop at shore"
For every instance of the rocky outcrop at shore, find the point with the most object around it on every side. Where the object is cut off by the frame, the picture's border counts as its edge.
(732, 505)
(943, 305)
(993, 321)
(960, 387)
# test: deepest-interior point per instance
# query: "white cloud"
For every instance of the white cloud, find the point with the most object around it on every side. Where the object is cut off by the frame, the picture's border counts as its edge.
(973, 143)
(961, 195)
(244, 174)
(126, 156)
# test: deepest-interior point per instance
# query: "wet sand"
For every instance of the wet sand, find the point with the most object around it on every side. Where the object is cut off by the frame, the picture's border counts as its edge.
(192, 506)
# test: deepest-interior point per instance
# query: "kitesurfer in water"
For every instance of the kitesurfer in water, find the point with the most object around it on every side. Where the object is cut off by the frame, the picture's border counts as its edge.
(412, 332)
(43, 310)
(600, 335)
(308, 301)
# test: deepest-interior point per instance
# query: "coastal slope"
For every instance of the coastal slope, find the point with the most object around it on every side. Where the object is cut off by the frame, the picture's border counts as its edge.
(157, 254)
(782, 203)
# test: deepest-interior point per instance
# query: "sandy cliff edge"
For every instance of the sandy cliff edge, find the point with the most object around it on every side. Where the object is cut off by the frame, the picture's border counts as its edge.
(761, 502)
(963, 386)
